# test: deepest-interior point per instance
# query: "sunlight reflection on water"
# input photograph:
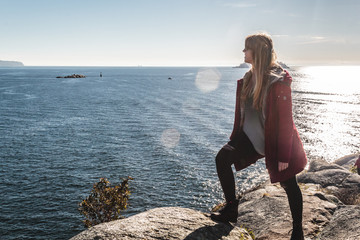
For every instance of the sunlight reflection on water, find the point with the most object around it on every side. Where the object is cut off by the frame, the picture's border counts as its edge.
(333, 79)
(326, 108)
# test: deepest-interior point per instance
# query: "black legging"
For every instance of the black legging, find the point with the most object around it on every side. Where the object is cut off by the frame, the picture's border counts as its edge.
(225, 158)
(295, 198)
(241, 153)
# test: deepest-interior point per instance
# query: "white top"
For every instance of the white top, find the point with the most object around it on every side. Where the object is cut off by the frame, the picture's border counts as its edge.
(254, 126)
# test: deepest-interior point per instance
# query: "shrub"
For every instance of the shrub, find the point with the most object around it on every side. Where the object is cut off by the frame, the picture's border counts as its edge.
(105, 202)
(251, 233)
(353, 169)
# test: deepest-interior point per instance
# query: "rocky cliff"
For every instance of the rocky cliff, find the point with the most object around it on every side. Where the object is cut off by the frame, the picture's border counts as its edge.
(331, 196)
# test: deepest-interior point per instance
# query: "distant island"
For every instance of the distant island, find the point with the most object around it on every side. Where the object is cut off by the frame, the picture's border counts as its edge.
(11, 64)
(244, 65)
(283, 65)
(247, 65)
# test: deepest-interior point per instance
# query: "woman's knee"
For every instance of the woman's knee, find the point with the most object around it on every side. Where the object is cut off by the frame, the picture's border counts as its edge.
(284, 185)
(219, 156)
(222, 158)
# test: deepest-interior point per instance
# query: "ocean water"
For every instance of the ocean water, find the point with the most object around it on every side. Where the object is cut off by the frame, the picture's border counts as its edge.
(162, 126)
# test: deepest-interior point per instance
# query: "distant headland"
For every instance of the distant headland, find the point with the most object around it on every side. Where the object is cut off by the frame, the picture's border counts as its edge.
(11, 64)
(243, 65)
(247, 65)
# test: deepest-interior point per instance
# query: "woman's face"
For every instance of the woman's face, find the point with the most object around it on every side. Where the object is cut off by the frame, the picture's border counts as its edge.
(248, 55)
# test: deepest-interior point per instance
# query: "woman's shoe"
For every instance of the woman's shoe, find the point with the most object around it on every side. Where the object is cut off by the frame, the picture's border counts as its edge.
(228, 214)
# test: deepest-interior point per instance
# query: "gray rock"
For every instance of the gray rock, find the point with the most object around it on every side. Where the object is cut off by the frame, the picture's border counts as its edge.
(340, 185)
(347, 161)
(352, 181)
(165, 223)
(320, 164)
(269, 216)
(328, 177)
(266, 210)
(332, 189)
(345, 224)
(328, 197)
(253, 195)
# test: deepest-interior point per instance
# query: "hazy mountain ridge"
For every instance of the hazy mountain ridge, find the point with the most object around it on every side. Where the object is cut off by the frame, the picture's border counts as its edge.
(10, 64)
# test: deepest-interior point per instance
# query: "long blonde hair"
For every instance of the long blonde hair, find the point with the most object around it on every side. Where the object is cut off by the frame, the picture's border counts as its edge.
(264, 58)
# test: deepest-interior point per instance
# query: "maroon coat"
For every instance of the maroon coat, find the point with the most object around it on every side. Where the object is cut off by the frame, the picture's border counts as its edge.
(282, 141)
(357, 163)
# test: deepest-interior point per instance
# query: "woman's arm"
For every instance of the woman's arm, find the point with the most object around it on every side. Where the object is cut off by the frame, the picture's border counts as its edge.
(237, 117)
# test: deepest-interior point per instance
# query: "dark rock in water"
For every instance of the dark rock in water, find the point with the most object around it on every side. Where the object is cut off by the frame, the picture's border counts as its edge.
(11, 64)
(73, 76)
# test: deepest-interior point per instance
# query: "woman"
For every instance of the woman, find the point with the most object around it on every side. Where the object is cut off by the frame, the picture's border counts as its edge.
(263, 127)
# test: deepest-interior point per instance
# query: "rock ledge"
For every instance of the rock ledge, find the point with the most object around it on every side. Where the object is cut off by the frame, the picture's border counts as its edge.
(165, 223)
(264, 210)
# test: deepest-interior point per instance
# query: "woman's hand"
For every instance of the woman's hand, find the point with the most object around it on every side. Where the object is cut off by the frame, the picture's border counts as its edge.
(283, 166)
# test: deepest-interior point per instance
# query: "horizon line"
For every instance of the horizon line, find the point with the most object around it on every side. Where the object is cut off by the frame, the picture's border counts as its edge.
(205, 66)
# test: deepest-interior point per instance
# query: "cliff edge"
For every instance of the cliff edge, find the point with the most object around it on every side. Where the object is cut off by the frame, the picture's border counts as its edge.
(331, 195)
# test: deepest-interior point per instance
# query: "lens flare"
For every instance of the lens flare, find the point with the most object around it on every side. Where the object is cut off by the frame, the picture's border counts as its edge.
(170, 138)
(191, 107)
(207, 79)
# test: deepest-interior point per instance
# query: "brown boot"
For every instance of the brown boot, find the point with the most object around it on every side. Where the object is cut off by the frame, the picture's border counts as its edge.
(228, 214)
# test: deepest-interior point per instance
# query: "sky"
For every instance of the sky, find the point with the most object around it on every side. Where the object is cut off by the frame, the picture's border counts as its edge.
(176, 33)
